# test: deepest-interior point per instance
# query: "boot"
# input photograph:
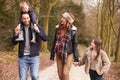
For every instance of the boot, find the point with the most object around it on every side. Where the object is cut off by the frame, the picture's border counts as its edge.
(33, 38)
(20, 36)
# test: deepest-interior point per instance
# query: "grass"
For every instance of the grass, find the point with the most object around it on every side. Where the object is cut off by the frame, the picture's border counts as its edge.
(7, 57)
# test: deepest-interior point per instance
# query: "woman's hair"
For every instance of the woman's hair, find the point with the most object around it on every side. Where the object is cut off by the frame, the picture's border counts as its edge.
(98, 44)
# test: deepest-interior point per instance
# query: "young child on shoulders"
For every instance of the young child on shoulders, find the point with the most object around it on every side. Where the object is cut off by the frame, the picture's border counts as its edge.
(24, 8)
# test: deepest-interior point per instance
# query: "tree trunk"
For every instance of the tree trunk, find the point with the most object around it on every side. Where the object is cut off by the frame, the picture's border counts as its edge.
(106, 23)
(45, 24)
(98, 20)
(117, 47)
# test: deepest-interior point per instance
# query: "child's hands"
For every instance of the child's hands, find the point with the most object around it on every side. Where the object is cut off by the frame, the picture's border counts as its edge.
(52, 61)
(75, 63)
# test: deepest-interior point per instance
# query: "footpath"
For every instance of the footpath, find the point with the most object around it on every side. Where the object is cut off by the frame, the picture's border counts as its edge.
(76, 73)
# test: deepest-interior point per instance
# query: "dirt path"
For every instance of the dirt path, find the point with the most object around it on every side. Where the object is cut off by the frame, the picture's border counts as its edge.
(76, 73)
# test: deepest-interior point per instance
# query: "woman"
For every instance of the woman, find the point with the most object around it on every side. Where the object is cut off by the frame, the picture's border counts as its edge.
(96, 60)
(65, 46)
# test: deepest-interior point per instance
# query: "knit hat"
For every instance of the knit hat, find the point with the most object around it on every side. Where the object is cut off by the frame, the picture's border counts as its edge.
(68, 17)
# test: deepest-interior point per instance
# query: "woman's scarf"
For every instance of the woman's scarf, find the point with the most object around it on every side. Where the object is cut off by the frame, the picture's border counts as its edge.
(62, 43)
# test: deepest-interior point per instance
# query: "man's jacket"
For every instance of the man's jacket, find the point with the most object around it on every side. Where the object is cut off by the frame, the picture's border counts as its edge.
(34, 47)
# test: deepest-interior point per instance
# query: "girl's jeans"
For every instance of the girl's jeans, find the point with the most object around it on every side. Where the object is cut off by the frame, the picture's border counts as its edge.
(94, 75)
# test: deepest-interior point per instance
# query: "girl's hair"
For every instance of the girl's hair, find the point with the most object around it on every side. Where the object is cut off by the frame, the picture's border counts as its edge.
(98, 44)
(23, 3)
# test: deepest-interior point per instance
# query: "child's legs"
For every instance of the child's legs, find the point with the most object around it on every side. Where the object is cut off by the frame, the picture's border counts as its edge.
(98, 77)
(94, 75)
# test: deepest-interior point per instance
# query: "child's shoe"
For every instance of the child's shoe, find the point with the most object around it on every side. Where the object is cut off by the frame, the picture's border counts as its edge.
(33, 38)
(20, 36)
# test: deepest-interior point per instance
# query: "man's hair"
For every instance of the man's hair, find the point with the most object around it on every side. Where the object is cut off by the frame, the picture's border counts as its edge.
(25, 13)
(23, 3)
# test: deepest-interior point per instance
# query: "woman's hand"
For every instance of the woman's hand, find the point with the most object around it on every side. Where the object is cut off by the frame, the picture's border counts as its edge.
(75, 63)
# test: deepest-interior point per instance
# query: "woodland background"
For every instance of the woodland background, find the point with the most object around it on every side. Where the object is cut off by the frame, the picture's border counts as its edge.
(93, 18)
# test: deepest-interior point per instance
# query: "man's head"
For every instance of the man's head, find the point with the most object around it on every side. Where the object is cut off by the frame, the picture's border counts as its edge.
(24, 7)
(25, 19)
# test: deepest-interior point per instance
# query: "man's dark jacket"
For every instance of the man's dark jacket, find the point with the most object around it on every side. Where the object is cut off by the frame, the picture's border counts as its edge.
(34, 47)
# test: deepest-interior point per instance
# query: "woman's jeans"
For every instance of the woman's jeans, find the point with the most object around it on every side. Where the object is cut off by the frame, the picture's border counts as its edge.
(29, 63)
(64, 69)
(94, 75)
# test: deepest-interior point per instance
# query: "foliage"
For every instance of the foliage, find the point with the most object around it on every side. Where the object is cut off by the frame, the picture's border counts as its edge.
(7, 18)
(107, 27)
(77, 11)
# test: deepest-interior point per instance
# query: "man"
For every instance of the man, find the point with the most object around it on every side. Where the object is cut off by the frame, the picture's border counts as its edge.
(65, 46)
(29, 52)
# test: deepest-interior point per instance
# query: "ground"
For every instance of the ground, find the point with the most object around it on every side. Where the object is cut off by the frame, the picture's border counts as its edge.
(9, 70)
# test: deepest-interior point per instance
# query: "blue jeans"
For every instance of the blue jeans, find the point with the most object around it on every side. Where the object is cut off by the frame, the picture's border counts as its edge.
(26, 63)
(94, 75)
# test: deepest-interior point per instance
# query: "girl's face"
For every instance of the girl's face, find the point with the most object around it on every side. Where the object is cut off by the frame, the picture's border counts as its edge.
(92, 45)
(24, 8)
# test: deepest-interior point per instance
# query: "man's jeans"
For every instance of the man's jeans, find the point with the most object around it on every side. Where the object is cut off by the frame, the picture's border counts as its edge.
(29, 63)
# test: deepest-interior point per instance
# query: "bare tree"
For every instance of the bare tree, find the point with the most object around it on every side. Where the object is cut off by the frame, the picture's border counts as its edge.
(51, 4)
(105, 23)
(117, 47)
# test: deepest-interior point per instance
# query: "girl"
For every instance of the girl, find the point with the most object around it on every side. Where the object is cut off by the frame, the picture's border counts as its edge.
(96, 60)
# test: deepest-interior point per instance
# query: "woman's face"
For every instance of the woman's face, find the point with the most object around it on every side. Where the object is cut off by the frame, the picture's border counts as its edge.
(63, 22)
(92, 45)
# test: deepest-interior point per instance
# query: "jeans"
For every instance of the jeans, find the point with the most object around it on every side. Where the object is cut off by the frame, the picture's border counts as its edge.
(64, 69)
(29, 63)
(94, 75)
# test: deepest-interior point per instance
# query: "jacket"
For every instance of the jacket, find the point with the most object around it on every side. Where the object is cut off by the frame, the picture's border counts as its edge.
(72, 45)
(34, 47)
(101, 65)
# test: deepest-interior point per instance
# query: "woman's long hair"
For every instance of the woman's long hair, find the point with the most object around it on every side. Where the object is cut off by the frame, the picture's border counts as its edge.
(98, 44)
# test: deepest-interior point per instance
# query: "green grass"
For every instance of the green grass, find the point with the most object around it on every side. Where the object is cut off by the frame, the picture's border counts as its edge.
(7, 57)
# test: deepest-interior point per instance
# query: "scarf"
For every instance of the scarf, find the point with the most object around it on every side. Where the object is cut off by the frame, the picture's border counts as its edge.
(62, 43)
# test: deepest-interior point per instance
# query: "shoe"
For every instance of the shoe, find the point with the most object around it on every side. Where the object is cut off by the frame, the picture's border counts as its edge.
(20, 36)
(33, 38)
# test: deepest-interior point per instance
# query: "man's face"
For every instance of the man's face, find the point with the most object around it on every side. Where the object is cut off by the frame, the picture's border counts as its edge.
(26, 19)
